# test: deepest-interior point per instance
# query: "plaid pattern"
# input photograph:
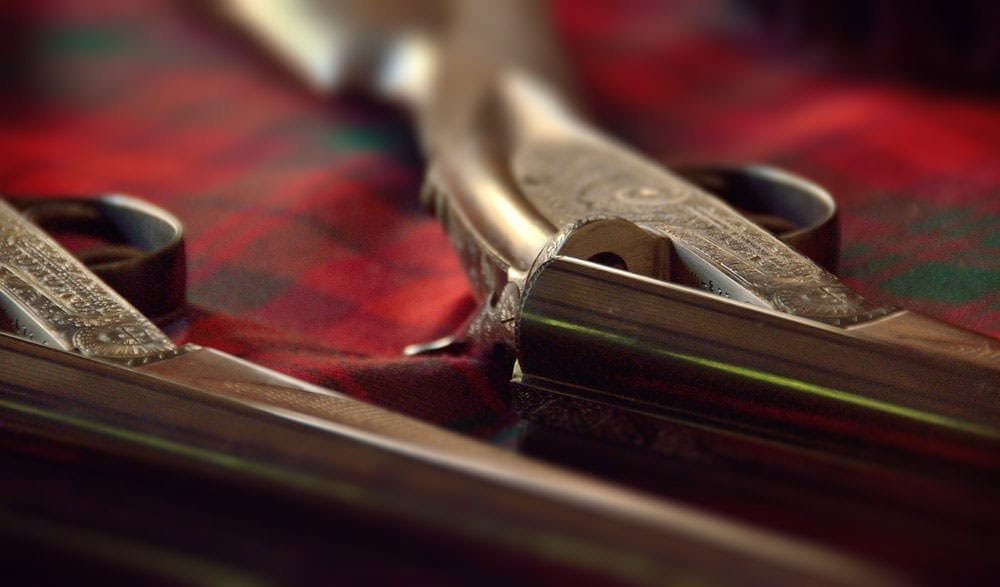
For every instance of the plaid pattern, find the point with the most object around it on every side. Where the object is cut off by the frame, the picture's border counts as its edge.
(307, 250)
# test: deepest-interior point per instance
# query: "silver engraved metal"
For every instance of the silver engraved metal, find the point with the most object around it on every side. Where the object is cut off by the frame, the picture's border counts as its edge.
(726, 253)
(53, 299)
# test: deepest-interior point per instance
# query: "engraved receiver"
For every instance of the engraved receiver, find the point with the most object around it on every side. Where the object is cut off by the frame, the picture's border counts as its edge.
(125, 392)
(582, 252)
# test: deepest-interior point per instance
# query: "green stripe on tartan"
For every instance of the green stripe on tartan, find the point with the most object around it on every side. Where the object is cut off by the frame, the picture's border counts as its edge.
(954, 284)
(85, 40)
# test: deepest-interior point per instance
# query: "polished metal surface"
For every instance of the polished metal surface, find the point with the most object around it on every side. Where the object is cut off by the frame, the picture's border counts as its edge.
(51, 297)
(799, 212)
(512, 163)
(519, 180)
(197, 408)
(208, 410)
(614, 335)
(573, 243)
(139, 248)
(569, 173)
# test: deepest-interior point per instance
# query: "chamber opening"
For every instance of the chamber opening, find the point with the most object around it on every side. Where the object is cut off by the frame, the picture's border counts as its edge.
(609, 259)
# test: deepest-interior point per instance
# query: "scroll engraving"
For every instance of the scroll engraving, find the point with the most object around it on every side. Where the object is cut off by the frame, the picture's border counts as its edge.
(54, 299)
(725, 252)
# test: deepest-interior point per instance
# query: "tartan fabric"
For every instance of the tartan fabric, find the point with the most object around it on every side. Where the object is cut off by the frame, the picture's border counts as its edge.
(308, 252)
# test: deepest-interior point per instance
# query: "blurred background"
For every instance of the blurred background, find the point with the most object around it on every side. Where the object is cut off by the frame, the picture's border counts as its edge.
(308, 251)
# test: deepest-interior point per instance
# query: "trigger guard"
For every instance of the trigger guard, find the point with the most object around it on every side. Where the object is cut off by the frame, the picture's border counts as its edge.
(144, 258)
(797, 211)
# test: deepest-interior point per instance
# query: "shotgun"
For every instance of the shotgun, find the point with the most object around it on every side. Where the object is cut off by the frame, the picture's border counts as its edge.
(633, 300)
(178, 438)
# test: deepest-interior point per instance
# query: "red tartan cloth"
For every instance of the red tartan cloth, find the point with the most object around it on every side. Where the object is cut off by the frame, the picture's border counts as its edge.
(308, 252)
